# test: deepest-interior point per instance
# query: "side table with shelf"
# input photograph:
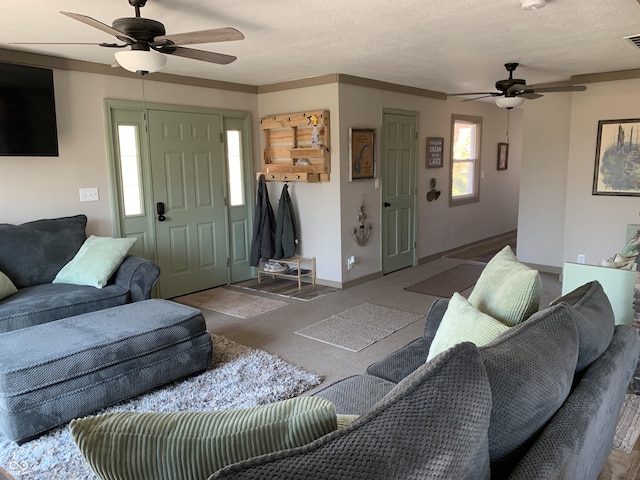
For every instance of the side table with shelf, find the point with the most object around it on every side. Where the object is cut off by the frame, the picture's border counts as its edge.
(292, 261)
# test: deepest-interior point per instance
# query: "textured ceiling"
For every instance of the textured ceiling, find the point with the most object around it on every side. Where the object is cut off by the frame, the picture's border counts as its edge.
(446, 46)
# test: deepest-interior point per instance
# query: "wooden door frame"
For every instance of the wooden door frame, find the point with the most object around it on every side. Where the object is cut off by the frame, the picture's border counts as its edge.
(145, 160)
(383, 166)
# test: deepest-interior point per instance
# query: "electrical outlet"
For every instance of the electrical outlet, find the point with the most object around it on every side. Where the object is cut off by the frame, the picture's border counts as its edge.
(350, 262)
(582, 258)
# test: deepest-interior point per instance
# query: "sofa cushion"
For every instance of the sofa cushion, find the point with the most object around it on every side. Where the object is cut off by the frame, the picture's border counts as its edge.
(577, 441)
(34, 252)
(186, 445)
(356, 395)
(95, 262)
(464, 323)
(433, 424)
(507, 289)
(530, 369)
(6, 286)
(594, 319)
(53, 301)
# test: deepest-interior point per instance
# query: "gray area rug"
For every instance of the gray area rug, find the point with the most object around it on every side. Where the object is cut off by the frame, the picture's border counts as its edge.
(455, 279)
(359, 327)
(231, 302)
(628, 429)
(239, 377)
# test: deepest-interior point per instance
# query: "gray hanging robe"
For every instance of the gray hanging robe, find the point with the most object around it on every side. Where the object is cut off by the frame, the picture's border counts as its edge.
(264, 226)
(285, 227)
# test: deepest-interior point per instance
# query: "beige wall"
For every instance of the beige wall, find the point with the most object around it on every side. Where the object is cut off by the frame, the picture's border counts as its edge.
(41, 187)
(440, 227)
(44, 187)
(316, 205)
(559, 216)
(547, 123)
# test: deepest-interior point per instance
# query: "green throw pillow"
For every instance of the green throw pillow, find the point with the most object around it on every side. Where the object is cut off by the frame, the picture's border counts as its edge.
(463, 323)
(187, 445)
(6, 286)
(95, 262)
(507, 289)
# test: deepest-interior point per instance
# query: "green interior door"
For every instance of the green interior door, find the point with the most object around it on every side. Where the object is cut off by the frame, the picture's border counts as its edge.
(188, 175)
(399, 146)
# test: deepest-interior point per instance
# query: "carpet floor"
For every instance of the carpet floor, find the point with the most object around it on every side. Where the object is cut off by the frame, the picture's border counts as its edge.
(239, 377)
(359, 327)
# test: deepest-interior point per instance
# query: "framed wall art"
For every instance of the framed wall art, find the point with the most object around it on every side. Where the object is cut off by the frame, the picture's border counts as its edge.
(503, 156)
(362, 147)
(617, 166)
(434, 152)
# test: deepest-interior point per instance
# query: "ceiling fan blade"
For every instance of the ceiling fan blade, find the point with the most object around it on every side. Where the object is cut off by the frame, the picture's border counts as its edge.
(488, 94)
(225, 34)
(92, 22)
(571, 88)
(103, 44)
(530, 95)
(483, 96)
(211, 57)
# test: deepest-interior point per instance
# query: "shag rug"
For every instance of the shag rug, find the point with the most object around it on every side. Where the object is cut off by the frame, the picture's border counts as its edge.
(628, 428)
(360, 326)
(230, 302)
(239, 377)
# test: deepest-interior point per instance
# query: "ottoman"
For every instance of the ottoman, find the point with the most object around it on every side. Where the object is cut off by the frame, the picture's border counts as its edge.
(69, 368)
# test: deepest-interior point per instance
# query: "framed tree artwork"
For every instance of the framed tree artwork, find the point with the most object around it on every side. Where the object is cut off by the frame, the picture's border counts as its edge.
(617, 166)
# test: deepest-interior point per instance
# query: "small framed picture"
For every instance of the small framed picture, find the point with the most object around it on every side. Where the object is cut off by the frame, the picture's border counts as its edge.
(503, 156)
(434, 152)
(362, 147)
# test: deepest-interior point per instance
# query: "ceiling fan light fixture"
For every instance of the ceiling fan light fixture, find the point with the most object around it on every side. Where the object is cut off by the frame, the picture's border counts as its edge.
(141, 61)
(509, 102)
(533, 4)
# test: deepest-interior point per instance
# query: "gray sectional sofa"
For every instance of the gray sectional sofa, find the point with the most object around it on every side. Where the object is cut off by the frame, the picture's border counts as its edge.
(33, 253)
(541, 401)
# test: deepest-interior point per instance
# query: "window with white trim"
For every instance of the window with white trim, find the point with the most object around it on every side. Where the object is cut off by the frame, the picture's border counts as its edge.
(466, 133)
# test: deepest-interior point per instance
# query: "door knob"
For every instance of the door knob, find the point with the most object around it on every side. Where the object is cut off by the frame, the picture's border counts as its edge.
(160, 210)
(387, 204)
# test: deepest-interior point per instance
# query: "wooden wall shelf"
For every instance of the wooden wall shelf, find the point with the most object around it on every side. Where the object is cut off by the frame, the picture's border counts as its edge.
(288, 155)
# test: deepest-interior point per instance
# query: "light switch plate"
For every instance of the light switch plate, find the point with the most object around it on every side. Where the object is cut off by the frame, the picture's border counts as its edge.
(89, 194)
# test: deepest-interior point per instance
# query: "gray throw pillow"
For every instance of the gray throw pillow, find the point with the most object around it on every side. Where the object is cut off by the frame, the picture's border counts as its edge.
(594, 318)
(433, 424)
(530, 369)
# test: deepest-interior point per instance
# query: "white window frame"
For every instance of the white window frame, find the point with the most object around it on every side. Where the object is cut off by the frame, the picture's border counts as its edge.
(474, 159)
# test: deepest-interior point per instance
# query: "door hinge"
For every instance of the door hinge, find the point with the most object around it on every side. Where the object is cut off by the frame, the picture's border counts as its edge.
(225, 202)
(416, 135)
(221, 138)
(228, 262)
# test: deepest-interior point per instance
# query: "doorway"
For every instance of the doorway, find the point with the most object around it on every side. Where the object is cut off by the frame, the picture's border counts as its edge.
(399, 160)
(180, 185)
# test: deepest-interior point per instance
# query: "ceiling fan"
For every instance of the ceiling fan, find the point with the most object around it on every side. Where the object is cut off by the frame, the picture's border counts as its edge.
(147, 40)
(513, 91)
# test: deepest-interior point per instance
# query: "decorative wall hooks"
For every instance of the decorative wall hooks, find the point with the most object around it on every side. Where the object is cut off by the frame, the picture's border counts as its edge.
(361, 233)
(433, 194)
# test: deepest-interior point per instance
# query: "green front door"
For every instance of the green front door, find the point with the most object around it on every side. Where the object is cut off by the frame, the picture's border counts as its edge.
(399, 152)
(188, 176)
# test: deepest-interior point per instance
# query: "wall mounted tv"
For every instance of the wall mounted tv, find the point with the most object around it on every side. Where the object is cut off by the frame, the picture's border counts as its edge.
(27, 112)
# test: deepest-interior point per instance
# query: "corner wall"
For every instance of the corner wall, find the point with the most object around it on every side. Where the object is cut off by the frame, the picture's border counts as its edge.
(559, 217)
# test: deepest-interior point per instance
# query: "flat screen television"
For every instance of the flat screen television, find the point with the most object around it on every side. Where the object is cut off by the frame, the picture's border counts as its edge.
(27, 112)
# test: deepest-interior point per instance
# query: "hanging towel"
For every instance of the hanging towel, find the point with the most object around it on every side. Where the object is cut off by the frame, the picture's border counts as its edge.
(285, 227)
(264, 226)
